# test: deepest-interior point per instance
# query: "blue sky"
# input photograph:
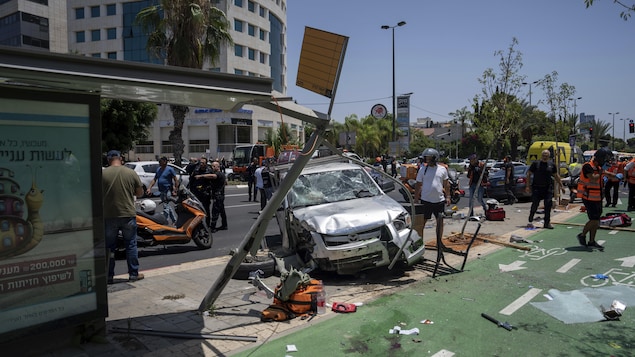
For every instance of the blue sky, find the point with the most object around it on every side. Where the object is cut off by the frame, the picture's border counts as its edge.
(447, 44)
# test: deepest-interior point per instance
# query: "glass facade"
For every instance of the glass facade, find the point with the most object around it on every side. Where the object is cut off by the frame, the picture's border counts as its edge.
(134, 40)
(276, 57)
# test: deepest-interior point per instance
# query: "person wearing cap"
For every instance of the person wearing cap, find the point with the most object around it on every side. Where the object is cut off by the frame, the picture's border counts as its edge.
(120, 185)
(164, 177)
(509, 180)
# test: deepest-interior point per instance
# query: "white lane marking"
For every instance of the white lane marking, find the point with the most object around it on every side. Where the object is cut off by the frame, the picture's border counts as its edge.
(565, 268)
(517, 265)
(443, 353)
(613, 232)
(628, 262)
(511, 308)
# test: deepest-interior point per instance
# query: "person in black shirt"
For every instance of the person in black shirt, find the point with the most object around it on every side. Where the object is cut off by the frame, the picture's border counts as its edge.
(251, 178)
(541, 175)
(200, 184)
(218, 182)
(509, 180)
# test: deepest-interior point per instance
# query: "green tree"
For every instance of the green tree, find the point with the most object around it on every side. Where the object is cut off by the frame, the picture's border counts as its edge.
(186, 33)
(628, 8)
(498, 112)
(125, 123)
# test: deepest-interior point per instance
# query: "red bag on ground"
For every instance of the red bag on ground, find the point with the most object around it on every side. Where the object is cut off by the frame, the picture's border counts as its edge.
(616, 220)
(495, 214)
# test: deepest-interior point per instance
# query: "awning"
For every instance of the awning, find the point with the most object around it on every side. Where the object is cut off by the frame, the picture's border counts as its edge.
(129, 80)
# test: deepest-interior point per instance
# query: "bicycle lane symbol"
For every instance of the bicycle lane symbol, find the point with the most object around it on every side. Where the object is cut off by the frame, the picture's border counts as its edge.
(538, 253)
(614, 276)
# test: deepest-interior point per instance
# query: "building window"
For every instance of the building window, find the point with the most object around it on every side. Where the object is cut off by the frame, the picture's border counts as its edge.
(95, 35)
(251, 6)
(111, 9)
(96, 55)
(80, 37)
(238, 3)
(112, 55)
(79, 13)
(238, 71)
(263, 58)
(263, 35)
(252, 54)
(199, 145)
(111, 33)
(262, 11)
(251, 30)
(166, 147)
(238, 50)
(94, 11)
(144, 147)
(238, 25)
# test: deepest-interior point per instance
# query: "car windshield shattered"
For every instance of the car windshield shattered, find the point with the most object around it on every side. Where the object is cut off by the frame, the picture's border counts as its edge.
(331, 186)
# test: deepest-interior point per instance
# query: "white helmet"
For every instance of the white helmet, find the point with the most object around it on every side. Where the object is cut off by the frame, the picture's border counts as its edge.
(148, 206)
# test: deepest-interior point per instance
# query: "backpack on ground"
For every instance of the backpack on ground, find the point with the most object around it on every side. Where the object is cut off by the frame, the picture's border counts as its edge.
(616, 220)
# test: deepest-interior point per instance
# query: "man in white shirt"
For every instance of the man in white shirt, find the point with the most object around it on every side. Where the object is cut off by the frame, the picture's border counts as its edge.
(433, 188)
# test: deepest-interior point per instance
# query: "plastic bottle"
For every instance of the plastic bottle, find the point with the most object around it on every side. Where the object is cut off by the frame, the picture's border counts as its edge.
(321, 300)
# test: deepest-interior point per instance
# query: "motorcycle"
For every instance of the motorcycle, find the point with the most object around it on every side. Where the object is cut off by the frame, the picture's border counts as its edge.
(153, 227)
(572, 182)
(457, 193)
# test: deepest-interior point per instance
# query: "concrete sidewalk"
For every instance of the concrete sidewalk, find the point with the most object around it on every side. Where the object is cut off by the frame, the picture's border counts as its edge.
(168, 298)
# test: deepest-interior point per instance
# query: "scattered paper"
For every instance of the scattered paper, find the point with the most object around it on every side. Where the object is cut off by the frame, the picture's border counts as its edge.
(292, 348)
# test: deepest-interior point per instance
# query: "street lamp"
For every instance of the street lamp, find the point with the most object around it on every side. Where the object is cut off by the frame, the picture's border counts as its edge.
(394, 113)
(525, 83)
(613, 135)
(624, 132)
(575, 105)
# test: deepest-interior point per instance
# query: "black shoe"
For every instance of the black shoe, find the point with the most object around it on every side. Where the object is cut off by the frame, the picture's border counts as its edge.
(223, 228)
(594, 244)
(111, 281)
(613, 205)
(607, 205)
(548, 226)
(582, 240)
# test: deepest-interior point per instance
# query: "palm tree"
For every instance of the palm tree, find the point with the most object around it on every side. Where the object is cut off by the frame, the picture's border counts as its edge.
(600, 133)
(186, 33)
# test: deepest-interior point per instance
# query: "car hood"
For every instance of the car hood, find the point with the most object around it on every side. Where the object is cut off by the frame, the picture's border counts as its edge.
(350, 216)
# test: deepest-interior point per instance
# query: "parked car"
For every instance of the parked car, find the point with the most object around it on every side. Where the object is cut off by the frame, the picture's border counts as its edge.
(337, 218)
(500, 164)
(147, 169)
(496, 184)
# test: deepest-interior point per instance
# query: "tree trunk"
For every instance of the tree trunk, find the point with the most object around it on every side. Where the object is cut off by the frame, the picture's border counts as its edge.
(176, 135)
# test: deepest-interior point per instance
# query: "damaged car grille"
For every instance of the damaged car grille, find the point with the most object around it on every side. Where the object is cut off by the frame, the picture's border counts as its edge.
(335, 240)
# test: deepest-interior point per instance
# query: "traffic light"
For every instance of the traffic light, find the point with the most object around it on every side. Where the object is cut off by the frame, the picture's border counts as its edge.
(591, 133)
(631, 127)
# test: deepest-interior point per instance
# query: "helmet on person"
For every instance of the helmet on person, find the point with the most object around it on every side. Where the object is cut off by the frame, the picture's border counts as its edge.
(148, 206)
(431, 153)
(602, 155)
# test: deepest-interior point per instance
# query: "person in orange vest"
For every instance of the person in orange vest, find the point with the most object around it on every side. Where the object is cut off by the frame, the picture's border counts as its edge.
(590, 191)
(612, 183)
(629, 172)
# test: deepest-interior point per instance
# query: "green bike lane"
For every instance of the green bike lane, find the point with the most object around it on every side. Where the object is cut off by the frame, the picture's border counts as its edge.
(503, 285)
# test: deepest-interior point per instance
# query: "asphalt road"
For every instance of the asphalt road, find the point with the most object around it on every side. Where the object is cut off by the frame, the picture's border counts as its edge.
(241, 215)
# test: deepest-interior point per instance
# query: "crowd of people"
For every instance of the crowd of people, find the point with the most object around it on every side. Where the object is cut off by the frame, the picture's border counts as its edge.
(599, 181)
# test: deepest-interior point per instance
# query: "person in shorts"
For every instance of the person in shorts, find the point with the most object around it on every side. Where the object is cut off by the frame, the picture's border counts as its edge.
(433, 189)
(590, 191)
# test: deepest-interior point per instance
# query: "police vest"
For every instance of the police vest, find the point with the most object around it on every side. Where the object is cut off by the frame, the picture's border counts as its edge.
(613, 169)
(590, 191)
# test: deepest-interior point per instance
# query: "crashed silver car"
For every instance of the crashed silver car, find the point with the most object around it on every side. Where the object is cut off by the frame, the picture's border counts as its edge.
(336, 217)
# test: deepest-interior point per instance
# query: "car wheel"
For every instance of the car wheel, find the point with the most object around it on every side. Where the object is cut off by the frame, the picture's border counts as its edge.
(252, 263)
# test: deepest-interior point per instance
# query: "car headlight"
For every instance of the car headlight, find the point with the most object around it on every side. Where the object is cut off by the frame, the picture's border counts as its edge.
(402, 222)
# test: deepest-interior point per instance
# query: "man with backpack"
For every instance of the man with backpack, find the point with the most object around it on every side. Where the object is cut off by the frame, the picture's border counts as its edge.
(541, 175)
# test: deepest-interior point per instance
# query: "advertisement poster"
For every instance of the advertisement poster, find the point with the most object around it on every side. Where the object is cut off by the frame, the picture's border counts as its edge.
(47, 250)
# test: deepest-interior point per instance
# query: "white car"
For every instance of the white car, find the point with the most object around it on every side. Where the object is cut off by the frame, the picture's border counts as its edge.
(337, 218)
(147, 170)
